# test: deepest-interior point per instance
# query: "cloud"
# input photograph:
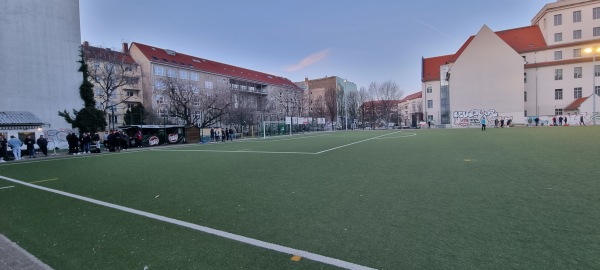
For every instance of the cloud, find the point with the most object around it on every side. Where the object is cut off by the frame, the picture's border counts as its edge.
(309, 60)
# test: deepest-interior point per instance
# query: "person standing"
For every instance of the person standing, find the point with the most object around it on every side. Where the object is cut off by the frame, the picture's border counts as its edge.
(537, 121)
(231, 134)
(30, 144)
(212, 135)
(560, 119)
(581, 122)
(106, 140)
(15, 144)
(554, 120)
(566, 121)
(43, 144)
(483, 124)
(86, 141)
(3, 146)
(496, 122)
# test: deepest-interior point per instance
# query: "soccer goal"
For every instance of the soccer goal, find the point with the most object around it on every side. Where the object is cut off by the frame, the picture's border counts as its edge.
(275, 128)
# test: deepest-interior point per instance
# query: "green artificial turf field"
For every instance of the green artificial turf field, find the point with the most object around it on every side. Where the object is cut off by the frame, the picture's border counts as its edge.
(510, 198)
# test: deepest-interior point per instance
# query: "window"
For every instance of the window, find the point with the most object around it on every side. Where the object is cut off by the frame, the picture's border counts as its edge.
(194, 76)
(558, 74)
(557, 55)
(596, 13)
(208, 85)
(525, 112)
(159, 71)
(558, 111)
(130, 93)
(158, 84)
(576, 53)
(183, 74)
(558, 94)
(577, 16)
(525, 77)
(172, 73)
(557, 37)
(525, 96)
(597, 90)
(596, 31)
(195, 89)
(596, 71)
(557, 19)
(98, 91)
(577, 71)
(577, 92)
(577, 34)
(430, 118)
(429, 103)
(429, 88)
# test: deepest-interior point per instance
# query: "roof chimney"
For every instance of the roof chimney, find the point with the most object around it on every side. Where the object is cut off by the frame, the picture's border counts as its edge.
(86, 44)
(125, 48)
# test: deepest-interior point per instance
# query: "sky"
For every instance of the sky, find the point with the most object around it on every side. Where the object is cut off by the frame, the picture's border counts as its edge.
(361, 41)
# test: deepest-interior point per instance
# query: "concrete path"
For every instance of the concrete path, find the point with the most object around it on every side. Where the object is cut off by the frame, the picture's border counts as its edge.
(13, 257)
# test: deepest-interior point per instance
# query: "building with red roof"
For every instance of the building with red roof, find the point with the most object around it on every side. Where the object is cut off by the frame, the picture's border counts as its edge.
(519, 74)
(237, 87)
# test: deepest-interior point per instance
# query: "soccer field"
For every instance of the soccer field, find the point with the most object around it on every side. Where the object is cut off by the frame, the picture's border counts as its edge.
(510, 198)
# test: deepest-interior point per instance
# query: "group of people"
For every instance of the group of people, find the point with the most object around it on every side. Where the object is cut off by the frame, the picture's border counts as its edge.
(15, 144)
(82, 144)
(222, 134)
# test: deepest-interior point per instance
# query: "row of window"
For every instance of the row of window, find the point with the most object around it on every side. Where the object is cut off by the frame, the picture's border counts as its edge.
(576, 34)
(576, 16)
(577, 91)
(171, 73)
(577, 73)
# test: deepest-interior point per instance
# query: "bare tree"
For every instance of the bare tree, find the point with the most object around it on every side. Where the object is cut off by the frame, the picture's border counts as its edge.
(362, 97)
(352, 103)
(330, 100)
(388, 94)
(319, 109)
(111, 71)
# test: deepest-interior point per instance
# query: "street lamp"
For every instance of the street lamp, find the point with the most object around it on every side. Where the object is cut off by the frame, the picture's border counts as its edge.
(345, 105)
(593, 52)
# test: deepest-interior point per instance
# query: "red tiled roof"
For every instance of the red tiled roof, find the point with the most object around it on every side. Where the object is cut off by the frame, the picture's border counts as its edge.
(412, 96)
(523, 39)
(575, 104)
(431, 67)
(91, 52)
(158, 55)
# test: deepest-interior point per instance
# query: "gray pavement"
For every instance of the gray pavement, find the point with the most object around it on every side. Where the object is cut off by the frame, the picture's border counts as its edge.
(13, 257)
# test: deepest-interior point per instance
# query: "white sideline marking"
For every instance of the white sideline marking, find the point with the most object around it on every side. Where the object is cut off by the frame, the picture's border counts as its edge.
(396, 137)
(235, 237)
(357, 142)
(234, 151)
(7, 187)
(289, 139)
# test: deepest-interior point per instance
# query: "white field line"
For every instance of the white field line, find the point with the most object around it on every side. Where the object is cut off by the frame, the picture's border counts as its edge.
(7, 187)
(261, 140)
(233, 151)
(235, 237)
(345, 145)
(402, 136)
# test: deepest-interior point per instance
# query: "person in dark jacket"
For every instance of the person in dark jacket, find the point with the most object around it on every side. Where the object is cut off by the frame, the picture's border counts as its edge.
(3, 148)
(30, 143)
(43, 144)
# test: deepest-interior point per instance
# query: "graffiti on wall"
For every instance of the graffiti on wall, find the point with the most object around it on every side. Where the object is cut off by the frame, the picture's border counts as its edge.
(473, 117)
(57, 137)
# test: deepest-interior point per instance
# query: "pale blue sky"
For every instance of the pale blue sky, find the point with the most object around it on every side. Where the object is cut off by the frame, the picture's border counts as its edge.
(362, 41)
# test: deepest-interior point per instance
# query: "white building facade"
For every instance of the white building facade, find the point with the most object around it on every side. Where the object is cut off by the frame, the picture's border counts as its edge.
(540, 70)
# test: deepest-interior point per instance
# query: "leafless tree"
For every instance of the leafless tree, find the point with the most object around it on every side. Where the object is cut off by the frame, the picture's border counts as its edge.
(330, 100)
(111, 71)
(362, 97)
(388, 94)
(353, 104)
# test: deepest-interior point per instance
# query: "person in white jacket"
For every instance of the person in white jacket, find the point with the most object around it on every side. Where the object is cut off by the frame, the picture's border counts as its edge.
(15, 144)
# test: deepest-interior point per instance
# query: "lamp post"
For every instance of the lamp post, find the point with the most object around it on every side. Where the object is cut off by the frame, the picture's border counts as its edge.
(112, 116)
(593, 52)
(345, 105)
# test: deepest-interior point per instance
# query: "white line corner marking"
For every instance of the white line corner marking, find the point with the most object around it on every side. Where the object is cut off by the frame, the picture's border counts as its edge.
(235, 237)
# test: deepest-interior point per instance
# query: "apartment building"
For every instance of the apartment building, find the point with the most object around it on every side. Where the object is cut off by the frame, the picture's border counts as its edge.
(541, 70)
(315, 100)
(411, 110)
(117, 81)
(204, 80)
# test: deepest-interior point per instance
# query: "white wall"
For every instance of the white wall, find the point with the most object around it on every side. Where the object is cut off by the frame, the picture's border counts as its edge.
(39, 47)
(486, 79)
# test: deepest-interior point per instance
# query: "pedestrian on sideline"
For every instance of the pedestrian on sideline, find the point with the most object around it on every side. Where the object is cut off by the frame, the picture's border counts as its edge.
(212, 135)
(223, 134)
(581, 122)
(502, 122)
(43, 144)
(537, 121)
(508, 122)
(231, 134)
(138, 139)
(428, 124)
(560, 119)
(30, 144)
(217, 135)
(15, 144)
(86, 141)
(97, 140)
(106, 140)
(566, 124)
(3, 146)
(554, 120)
(496, 122)
(483, 124)
(124, 141)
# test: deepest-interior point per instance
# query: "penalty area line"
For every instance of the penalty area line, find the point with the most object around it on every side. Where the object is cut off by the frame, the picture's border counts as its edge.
(233, 151)
(231, 236)
(345, 145)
